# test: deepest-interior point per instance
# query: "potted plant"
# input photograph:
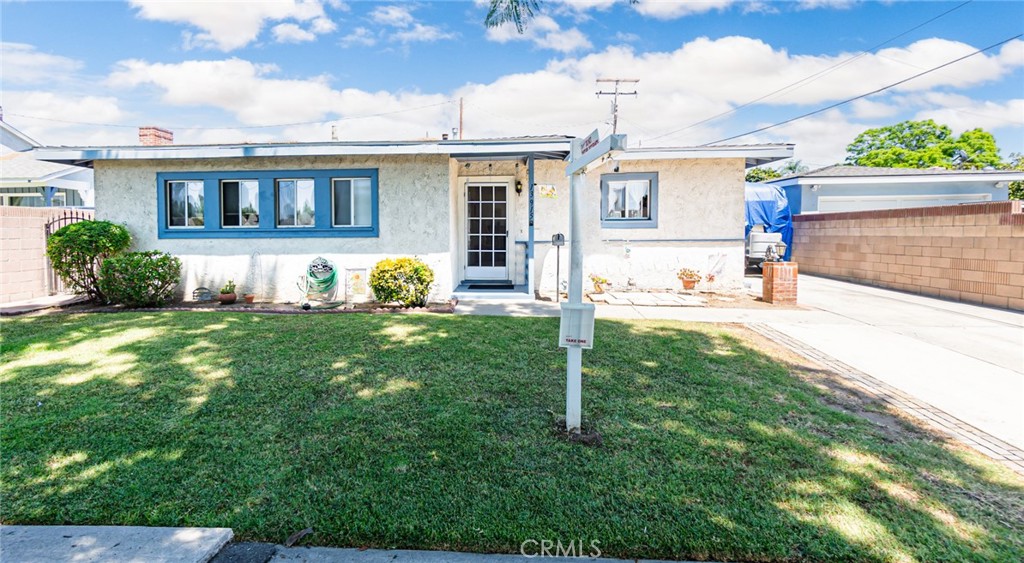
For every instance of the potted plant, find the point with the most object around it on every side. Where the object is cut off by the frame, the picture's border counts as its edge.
(688, 277)
(599, 283)
(227, 293)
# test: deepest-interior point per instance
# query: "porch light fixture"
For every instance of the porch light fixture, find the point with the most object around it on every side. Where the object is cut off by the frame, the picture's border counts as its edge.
(519, 186)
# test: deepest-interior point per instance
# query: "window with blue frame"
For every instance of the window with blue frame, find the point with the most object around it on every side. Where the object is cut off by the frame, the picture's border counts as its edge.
(629, 200)
(268, 204)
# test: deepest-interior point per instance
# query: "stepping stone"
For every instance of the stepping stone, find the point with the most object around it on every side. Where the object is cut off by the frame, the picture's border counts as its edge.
(644, 299)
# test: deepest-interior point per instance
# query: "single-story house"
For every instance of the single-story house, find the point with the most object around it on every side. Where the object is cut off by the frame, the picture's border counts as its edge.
(476, 211)
(27, 182)
(863, 188)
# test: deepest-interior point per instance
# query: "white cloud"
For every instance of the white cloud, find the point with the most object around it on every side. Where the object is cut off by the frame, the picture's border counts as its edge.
(420, 33)
(395, 16)
(559, 98)
(545, 33)
(53, 118)
(868, 109)
(820, 140)
(406, 28)
(626, 37)
(835, 4)
(254, 96)
(359, 36)
(231, 25)
(291, 33)
(962, 113)
(21, 63)
(672, 9)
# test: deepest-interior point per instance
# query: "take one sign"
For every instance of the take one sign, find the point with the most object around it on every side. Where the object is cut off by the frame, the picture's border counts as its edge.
(577, 325)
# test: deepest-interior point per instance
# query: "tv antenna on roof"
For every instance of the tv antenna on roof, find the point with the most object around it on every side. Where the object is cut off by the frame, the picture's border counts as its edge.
(615, 96)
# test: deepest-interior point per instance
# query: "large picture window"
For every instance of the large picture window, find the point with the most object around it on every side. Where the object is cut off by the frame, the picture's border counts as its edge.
(295, 203)
(352, 202)
(185, 204)
(240, 203)
(305, 203)
(629, 201)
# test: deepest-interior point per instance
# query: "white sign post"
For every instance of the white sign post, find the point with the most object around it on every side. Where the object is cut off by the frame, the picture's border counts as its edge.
(576, 331)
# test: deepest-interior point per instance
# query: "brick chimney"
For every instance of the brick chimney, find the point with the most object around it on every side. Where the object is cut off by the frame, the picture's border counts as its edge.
(150, 136)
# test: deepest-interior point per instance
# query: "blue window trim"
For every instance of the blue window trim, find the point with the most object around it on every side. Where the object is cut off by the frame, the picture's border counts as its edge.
(651, 223)
(268, 205)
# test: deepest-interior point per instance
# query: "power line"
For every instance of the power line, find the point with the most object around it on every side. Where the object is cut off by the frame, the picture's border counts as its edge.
(812, 77)
(873, 92)
(185, 127)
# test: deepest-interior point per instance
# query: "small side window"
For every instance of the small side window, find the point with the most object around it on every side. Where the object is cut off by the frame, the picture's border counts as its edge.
(629, 200)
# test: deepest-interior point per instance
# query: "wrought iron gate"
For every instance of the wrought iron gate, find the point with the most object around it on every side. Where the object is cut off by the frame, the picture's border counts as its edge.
(55, 285)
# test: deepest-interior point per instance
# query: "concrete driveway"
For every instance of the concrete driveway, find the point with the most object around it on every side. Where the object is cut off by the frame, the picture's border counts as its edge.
(963, 359)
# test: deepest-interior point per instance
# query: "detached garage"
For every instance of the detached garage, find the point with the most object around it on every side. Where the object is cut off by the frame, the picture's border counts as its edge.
(860, 188)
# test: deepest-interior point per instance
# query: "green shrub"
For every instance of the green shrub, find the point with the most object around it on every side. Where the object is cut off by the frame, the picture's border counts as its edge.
(403, 280)
(77, 251)
(140, 279)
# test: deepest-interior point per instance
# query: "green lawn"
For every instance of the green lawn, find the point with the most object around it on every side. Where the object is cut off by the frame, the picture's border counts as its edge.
(436, 432)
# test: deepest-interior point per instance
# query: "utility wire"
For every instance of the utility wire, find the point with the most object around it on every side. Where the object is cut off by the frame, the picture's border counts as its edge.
(184, 127)
(871, 93)
(812, 77)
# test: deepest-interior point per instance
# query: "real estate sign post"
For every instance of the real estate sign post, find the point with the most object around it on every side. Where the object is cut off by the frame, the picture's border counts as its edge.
(576, 331)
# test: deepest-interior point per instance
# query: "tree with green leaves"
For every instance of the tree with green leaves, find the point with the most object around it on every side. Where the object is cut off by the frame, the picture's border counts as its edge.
(923, 144)
(764, 173)
(1015, 162)
(518, 12)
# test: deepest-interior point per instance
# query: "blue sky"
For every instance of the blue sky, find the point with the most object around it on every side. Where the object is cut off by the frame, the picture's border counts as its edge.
(90, 72)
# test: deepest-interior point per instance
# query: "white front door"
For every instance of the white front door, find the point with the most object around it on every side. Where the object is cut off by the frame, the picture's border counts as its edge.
(487, 231)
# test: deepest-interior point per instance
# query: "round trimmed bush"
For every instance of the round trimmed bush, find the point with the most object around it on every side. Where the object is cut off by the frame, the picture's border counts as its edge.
(140, 279)
(76, 252)
(403, 280)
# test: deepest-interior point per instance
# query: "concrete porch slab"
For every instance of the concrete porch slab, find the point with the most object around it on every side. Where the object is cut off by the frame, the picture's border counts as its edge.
(38, 304)
(110, 544)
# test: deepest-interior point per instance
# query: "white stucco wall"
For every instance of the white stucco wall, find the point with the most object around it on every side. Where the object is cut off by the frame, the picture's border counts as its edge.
(700, 223)
(415, 207)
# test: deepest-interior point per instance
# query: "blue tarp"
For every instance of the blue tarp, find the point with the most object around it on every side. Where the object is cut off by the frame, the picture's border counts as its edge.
(767, 205)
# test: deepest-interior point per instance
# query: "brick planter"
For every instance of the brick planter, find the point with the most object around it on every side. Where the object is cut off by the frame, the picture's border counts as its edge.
(779, 283)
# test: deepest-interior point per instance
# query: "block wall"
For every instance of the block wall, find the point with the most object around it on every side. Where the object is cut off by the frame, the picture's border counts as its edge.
(23, 268)
(972, 252)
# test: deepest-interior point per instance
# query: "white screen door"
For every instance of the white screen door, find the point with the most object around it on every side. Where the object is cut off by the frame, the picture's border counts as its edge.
(487, 231)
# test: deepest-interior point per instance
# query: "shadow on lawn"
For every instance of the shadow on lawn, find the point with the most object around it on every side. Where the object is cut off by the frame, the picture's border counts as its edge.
(435, 432)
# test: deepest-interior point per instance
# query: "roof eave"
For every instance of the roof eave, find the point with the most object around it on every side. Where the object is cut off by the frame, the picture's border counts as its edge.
(86, 155)
(994, 178)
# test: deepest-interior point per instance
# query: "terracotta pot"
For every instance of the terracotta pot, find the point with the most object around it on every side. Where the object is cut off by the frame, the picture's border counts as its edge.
(250, 298)
(689, 284)
(227, 298)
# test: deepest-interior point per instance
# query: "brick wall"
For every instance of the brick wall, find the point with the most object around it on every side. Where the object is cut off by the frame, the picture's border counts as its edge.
(779, 282)
(23, 268)
(972, 253)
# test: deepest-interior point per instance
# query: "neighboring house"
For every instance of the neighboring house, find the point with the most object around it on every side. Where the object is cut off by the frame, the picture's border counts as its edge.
(27, 182)
(479, 212)
(861, 188)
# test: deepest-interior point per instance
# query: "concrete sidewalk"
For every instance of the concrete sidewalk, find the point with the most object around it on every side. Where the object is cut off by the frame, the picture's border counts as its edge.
(110, 544)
